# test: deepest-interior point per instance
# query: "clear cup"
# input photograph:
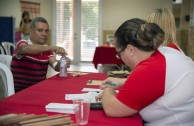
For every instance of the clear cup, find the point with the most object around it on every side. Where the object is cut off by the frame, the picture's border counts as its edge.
(82, 112)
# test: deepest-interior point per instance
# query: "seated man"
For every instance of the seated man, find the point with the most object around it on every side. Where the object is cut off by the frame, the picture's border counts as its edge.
(31, 57)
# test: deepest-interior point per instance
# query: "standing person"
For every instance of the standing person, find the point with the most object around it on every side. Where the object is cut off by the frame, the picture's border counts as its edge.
(166, 20)
(25, 25)
(160, 86)
(32, 57)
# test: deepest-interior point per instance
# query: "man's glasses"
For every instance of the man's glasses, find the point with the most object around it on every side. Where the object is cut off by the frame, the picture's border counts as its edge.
(118, 55)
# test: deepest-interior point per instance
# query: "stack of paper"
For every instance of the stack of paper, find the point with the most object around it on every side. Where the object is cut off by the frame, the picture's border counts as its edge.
(61, 108)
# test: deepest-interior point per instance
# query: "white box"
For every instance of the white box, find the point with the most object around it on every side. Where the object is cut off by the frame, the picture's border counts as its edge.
(61, 108)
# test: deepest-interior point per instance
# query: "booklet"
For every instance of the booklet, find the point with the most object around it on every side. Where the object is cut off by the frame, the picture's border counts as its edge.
(61, 108)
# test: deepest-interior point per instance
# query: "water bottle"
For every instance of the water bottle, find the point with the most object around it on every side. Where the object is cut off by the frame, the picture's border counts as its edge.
(63, 66)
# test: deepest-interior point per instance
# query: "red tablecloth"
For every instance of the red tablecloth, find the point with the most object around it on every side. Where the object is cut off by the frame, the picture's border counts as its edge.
(35, 98)
(105, 55)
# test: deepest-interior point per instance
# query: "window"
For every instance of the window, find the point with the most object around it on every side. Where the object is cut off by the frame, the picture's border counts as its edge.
(64, 25)
(77, 27)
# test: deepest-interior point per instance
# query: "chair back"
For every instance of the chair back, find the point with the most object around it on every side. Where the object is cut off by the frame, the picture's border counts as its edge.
(6, 59)
(1, 50)
(9, 47)
(7, 78)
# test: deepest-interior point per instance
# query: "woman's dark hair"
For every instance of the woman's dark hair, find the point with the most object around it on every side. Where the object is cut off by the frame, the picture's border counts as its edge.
(145, 36)
(23, 15)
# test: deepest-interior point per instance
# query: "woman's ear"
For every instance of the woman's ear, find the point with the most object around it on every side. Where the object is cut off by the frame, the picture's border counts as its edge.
(131, 49)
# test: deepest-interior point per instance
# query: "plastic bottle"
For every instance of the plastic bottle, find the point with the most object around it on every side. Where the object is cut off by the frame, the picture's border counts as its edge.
(63, 66)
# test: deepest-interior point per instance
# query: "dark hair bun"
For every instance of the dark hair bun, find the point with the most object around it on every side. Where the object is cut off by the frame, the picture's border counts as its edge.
(150, 36)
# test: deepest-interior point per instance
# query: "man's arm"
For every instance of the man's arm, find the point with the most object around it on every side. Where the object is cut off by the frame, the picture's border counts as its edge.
(36, 49)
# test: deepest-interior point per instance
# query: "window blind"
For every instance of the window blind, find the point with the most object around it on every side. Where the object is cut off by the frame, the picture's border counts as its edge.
(88, 34)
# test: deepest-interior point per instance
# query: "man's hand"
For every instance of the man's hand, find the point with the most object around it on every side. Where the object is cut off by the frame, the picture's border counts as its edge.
(59, 50)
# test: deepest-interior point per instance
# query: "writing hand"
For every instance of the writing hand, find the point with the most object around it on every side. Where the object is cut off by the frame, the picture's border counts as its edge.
(112, 82)
(98, 97)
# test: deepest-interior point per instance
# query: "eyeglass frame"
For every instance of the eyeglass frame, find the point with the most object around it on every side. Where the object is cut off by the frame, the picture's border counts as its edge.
(118, 55)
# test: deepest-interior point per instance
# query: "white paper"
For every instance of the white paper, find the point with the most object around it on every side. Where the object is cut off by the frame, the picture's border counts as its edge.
(61, 108)
(88, 96)
(91, 90)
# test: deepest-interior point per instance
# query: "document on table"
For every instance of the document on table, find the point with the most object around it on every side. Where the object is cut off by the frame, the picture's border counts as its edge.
(91, 90)
(88, 96)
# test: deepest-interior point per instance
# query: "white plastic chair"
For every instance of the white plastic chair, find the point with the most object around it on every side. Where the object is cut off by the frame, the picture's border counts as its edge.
(6, 59)
(7, 78)
(8, 46)
(2, 50)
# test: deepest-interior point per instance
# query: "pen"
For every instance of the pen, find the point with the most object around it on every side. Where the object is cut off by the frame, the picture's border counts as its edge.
(111, 84)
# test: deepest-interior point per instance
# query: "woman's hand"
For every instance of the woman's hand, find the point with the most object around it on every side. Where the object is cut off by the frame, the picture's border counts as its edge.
(99, 97)
(112, 82)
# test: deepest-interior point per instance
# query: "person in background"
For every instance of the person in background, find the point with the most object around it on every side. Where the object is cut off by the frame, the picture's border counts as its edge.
(31, 57)
(160, 87)
(25, 25)
(166, 20)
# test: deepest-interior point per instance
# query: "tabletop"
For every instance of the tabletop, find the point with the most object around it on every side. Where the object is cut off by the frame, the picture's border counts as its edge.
(34, 99)
(105, 55)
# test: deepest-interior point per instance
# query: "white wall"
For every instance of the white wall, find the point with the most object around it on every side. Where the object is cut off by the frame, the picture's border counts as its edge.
(115, 12)
(12, 8)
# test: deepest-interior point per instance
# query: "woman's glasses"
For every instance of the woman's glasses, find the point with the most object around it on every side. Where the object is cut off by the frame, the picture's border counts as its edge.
(118, 55)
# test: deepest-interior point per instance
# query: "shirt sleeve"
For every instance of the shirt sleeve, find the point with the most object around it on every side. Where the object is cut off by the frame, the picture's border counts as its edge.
(144, 85)
(19, 56)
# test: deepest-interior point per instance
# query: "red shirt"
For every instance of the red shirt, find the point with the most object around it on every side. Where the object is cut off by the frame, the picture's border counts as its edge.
(172, 45)
(145, 84)
(30, 69)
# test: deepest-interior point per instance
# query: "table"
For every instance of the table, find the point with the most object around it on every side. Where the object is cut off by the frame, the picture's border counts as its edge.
(105, 55)
(35, 98)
